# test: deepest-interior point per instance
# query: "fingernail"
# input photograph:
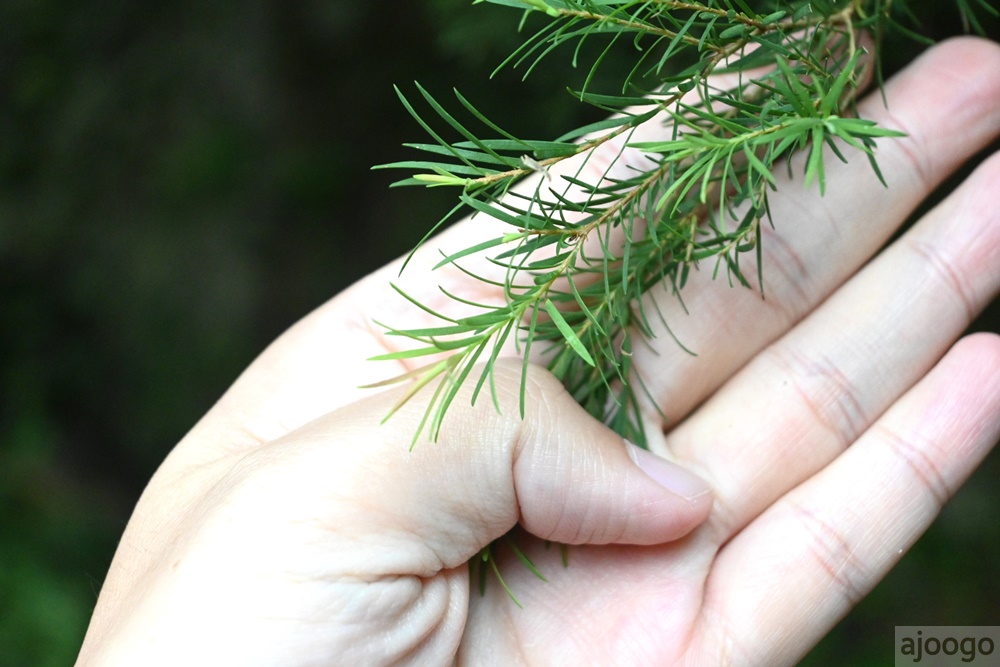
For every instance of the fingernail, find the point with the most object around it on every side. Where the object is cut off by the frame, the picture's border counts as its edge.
(667, 474)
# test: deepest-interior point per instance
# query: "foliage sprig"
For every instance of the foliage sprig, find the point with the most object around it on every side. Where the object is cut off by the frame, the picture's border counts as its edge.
(579, 254)
(742, 85)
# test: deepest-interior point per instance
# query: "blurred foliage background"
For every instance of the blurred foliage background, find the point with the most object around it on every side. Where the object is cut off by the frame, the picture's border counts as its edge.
(179, 182)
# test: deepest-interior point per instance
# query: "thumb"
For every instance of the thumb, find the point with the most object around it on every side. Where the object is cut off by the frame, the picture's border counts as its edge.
(558, 472)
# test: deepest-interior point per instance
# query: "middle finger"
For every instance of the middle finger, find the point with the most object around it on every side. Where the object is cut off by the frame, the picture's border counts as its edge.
(811, 394)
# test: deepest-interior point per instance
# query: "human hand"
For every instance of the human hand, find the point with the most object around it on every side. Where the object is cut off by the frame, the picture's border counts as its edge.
(832, 421)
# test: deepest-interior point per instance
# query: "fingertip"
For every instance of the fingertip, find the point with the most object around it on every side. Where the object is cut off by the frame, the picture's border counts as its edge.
(681, 503)
(672, 477)
(979, 351)
(962, 70)
(610, 492)
(969, 55)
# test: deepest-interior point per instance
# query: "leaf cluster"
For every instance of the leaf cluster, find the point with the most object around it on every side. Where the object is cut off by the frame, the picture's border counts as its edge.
(740, 86)
(578, 255)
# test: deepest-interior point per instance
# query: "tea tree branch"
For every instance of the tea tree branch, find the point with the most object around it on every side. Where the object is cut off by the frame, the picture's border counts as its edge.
(739, 86)
(700, 197)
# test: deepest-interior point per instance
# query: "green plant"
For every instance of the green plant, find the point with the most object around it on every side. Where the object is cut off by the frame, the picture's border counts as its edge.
(742, 85)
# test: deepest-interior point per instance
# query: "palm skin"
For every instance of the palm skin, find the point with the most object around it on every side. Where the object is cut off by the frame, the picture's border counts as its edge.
(832, 420)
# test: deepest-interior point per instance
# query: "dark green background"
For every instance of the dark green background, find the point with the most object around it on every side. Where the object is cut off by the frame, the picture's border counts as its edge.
(179, 182)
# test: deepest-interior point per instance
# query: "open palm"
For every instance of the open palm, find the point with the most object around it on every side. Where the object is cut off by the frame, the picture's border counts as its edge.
(832, 419)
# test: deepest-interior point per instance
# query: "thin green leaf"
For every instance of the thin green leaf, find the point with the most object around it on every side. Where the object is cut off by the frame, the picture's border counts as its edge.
(567, 332)
(405, 354)
(472, 250)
